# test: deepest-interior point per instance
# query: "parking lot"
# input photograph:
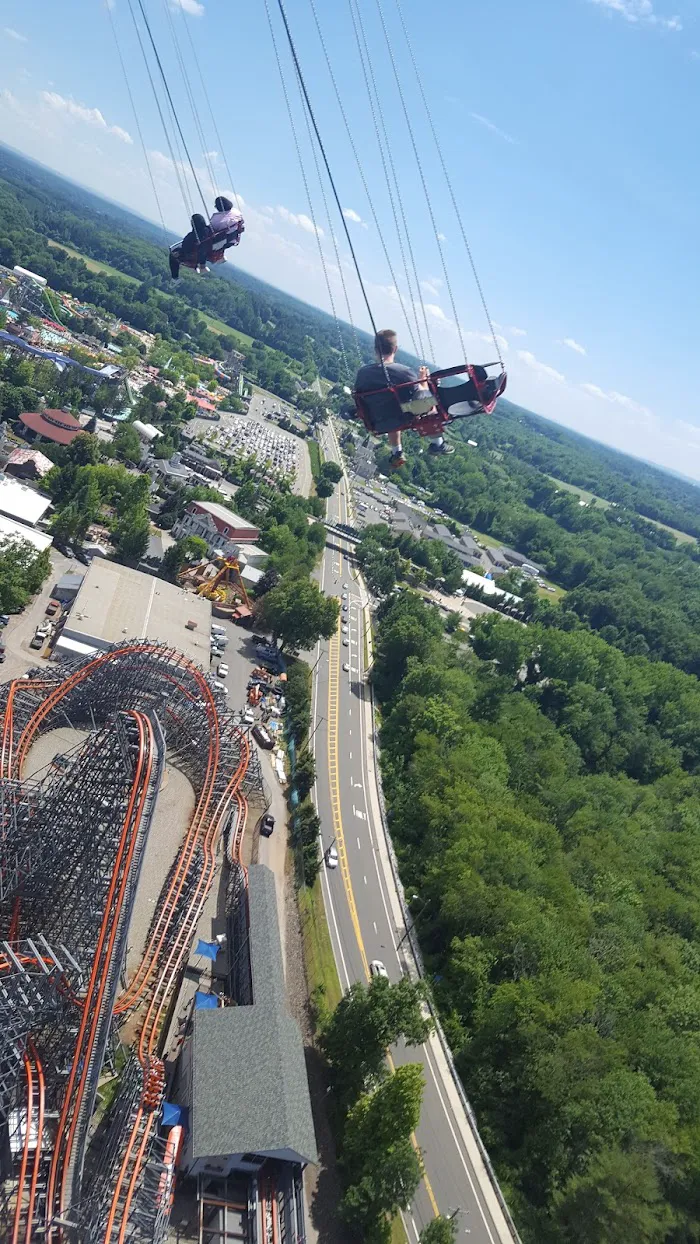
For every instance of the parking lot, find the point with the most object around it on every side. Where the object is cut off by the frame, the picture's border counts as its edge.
(255, 434)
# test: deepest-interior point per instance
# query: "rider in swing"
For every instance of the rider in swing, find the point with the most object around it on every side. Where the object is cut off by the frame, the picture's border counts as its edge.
(196, 244)
(385, 412)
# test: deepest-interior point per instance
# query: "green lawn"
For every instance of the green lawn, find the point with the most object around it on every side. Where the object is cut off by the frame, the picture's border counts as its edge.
(488, 541)
(218, 326)
(93, 264)
(321, 972)
(588, 497)
(681, 536)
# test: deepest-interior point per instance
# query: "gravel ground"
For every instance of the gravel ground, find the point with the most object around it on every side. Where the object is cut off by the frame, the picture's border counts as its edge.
(174, 808)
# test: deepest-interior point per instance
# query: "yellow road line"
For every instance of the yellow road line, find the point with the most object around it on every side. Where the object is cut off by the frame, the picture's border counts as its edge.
(334, 783)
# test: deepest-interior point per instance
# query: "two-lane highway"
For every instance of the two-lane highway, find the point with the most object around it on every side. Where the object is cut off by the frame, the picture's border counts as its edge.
(363, 908)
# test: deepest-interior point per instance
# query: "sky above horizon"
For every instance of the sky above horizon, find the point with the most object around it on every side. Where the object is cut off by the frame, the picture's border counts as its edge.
(568, 131)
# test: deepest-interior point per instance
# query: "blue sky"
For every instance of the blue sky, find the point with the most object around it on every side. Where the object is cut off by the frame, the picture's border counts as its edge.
(569, 128)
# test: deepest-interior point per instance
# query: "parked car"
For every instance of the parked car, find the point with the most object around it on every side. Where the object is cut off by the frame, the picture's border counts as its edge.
(53, 607)
(4, 619)
(220, 686)
(37, 641)
(267, 824)
(248, 718)
(263, 738)
(259, 639)
(222, 671)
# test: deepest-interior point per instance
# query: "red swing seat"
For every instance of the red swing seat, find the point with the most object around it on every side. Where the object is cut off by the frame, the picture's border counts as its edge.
(428, 412)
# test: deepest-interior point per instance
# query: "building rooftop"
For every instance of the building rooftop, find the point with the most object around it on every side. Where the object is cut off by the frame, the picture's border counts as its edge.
(53, 425)
(116, 603)
(21, 502)
(249, 1088)
(30, 457)
(11, 532)
(222, 513)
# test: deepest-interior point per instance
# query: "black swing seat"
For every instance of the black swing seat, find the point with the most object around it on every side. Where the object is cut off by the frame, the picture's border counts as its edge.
(213, 248)
(428, 411)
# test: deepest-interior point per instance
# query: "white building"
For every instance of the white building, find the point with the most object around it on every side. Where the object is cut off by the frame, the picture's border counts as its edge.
(222, 530)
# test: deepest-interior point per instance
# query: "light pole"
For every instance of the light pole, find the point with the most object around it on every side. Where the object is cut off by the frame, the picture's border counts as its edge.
(410, 927)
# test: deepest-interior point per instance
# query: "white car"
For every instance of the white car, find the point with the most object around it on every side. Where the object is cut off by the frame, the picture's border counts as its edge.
(220, 686)
(376, 968)
(345, 587)
(248, 718)
(346, 668)
(222, 669)
(346, 642)
(331, 857)
(345, 628)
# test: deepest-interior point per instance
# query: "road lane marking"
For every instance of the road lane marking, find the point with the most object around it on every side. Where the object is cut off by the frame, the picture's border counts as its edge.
(334, 783)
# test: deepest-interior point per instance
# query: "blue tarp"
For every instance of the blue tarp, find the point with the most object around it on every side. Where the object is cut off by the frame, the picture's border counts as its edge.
(172, 1114)
(205, 1001)
(208, 949)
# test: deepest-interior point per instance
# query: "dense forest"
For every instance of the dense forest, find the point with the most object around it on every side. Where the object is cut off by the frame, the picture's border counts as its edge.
(624, 577)
(543, 792)
(593, 467)
(36, 204)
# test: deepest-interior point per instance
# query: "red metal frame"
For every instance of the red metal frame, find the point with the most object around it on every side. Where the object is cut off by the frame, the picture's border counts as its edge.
(433, 422)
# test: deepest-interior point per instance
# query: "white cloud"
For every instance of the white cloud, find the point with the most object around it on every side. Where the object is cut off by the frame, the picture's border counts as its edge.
(432, 286)
(641, 11)
(300, 220)
(349, 214)
(617, 399)
(542, 369)
(80, 112)
(437, 312)
(495, 129)
(441, 237)
(14, 34)
(515, 332)
(574, 345)
(193, 7)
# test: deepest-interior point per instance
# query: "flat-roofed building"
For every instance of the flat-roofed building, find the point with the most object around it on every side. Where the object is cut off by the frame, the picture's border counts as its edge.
(20, 502)
(116, 603)
(12, 532)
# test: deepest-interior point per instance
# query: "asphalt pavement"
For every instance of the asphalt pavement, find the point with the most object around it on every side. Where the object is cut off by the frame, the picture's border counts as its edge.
(364, 912)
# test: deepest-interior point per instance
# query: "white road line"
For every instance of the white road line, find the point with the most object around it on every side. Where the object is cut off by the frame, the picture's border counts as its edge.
(374, 923)
(359, 845)
(365, 880)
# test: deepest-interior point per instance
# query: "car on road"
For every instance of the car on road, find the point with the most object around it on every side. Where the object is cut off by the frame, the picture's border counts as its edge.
(4, 619)
(248, 718)
(346, 642)
(345, 587)
(267, 824)
(345, 608)
(331, 857)
(376, 968)
(346, 668)
(222, 670)
(263, 738)
(37, 641)
(345, 627)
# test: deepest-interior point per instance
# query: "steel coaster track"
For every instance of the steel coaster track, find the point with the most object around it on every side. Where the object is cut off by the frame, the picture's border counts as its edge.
(26, 715)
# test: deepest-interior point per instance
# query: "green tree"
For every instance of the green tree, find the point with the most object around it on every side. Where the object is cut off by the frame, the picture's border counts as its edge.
(381, 1168)
(304, 836)
(188, 549)
(324, 487)
(440, 1230)
(367, 1020)
(127, 444)
(22, 571)
(130, 537)
(618, 1199)
(297, 614)
(331, 471)
(305, 773)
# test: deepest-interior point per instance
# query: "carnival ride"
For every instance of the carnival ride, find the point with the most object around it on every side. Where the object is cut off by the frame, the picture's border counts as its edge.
(71, 846)
(218, 581)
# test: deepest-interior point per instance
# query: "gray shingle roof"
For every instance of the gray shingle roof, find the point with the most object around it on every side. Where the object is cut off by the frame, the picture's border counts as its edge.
(249, 1085)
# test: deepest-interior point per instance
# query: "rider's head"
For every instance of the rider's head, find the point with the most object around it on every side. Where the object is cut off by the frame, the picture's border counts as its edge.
(223, 205)
(386, 343)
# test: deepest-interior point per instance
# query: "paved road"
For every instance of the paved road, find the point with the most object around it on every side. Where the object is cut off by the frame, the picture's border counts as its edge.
(363, 909)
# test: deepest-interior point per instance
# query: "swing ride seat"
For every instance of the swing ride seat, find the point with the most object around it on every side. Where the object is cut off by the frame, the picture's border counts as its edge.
(216, 246)
(427, 412)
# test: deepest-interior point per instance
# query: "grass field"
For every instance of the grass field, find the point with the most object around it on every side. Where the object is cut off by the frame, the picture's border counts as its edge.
(218, 326)
(681, 536)
(315, 456)
(321, 972)
(589, 497)
(93, 264)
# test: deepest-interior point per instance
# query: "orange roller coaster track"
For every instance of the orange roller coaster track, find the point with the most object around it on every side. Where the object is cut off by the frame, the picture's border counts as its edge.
(219, 801)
